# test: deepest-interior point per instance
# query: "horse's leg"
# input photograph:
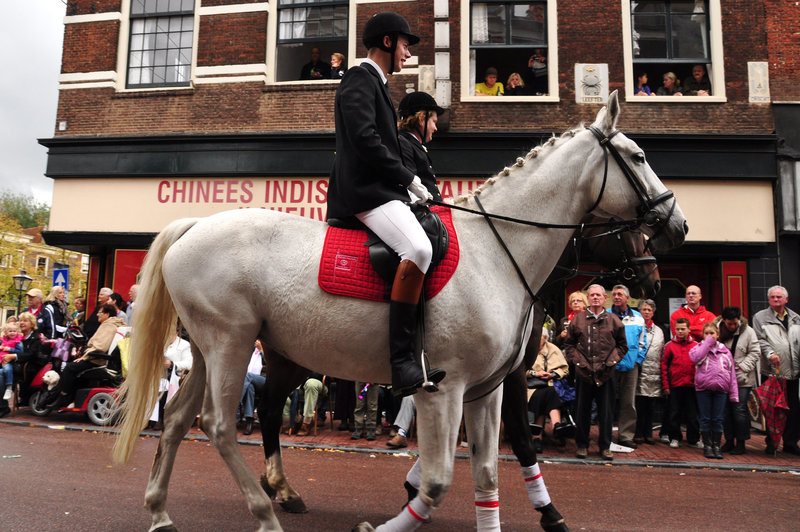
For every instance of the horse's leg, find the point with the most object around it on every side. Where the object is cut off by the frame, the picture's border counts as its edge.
(283, 377)
(438, 418)
(514, 414)
(482, 419)
(225, 381)
(179, 415)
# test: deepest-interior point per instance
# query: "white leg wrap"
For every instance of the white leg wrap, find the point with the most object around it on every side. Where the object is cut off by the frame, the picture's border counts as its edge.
(411, 518)
(414, 475)
(487, 510)
(534, 483)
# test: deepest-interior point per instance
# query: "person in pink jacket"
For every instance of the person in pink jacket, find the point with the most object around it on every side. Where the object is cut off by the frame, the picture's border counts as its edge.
(715, 384)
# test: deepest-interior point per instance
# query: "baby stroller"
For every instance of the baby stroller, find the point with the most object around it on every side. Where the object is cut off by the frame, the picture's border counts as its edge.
(566, 397)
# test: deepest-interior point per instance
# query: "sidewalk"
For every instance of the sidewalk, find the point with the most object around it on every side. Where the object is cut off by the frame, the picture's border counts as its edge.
(657, 455)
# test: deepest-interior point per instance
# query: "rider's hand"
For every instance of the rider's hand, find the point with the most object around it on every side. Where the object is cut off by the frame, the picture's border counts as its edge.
(419, 190)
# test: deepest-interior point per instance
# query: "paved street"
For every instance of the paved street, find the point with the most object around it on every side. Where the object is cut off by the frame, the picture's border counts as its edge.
(64, 479)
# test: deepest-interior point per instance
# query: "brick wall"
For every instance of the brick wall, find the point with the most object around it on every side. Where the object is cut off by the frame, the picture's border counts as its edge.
(90, 47)
(252, 107)
(88, 7)
(783, 36)
(232, 39)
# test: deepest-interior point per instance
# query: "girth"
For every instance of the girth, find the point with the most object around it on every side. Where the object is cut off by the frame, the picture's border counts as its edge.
(383, 258)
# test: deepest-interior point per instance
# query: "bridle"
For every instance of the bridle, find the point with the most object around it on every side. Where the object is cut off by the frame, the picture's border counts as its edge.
(646, 211)
(626, 270)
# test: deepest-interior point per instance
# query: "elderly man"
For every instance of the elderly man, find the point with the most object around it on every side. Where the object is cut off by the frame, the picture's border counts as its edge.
(693, 311)
(91, 324)
(132, 292)
(627, 373)
(595, 343)
(778, 331)
(35, 298)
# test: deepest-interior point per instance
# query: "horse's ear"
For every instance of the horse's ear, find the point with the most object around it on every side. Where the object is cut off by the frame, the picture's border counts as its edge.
(612, 112)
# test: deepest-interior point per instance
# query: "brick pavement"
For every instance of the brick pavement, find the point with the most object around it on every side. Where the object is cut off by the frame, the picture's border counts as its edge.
(659, 454)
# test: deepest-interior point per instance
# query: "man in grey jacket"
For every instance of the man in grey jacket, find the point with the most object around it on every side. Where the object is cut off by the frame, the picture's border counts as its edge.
(742, 342)
(778, 331)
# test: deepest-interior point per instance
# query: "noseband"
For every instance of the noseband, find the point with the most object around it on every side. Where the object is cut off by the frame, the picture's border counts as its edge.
(647, 206)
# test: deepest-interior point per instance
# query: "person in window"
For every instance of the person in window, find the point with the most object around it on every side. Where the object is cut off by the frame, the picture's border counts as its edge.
(671, 85)
(316, 68)
(337, 65)
(698, 84)
(535, 76)
(370, 183)
(490, 85)
(515, 86)
(642, 89)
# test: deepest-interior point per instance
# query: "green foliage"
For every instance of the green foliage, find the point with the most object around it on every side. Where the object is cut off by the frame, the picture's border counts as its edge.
(24, 209)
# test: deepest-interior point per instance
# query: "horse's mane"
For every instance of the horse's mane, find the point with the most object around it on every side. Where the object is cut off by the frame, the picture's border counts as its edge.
(537, 151)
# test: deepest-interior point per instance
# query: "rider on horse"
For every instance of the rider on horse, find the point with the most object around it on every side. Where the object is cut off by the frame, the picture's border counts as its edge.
(369, 182)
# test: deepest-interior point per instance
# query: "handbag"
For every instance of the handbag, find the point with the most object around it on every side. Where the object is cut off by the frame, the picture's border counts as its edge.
(534, 383)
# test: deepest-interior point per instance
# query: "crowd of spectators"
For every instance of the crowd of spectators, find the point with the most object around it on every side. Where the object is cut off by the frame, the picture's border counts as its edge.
(693, 387)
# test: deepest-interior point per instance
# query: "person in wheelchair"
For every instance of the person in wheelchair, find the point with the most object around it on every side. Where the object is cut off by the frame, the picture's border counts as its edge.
(543, 399)
(95, 355)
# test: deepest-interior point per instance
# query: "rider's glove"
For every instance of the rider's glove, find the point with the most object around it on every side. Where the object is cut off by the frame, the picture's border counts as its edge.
(418, 191)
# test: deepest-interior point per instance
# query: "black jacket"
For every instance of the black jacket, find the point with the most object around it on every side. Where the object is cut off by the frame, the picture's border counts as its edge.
(415, 158)
(367, 169)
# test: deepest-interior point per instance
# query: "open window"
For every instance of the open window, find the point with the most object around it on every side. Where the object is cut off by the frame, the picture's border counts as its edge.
(160, 45)
(517, 41)
(676, 45)
(306, 27)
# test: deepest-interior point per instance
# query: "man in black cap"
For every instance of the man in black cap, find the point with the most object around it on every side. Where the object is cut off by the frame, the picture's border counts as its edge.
(369, 182)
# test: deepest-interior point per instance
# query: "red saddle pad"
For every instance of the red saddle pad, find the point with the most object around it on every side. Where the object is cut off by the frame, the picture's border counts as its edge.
(345, 268)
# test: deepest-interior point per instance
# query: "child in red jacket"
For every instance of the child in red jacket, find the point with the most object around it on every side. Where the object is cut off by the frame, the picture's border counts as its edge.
(677, 380)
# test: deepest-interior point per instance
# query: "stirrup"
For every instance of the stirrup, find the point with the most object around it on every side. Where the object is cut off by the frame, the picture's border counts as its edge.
(427, 384)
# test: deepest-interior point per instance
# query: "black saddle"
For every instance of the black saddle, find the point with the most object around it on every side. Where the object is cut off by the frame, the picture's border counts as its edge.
(383, 258)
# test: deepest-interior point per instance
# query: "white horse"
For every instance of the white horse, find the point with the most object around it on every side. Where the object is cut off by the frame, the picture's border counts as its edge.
(246, 274)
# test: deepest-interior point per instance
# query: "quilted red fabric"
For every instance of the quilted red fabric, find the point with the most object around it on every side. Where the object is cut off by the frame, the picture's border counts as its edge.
(345, 268)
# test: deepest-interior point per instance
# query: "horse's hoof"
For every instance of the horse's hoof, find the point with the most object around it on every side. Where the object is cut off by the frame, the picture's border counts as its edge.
(294, 506)
(362, 527)
(552, 520)
(165, 528)
(269, 490)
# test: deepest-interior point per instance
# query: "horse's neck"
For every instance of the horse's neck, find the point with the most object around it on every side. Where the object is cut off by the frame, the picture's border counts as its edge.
(545, 189)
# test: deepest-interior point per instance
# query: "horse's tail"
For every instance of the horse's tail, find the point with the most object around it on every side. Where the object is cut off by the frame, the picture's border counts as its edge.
(154, 329)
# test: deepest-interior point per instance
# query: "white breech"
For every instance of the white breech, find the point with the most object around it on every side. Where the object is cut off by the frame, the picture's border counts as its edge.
(396, 225)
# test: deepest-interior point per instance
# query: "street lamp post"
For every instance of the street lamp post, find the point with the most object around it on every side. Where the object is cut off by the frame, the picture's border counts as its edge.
(22, 281)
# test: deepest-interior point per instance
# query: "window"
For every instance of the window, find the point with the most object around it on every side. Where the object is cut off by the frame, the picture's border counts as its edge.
(669, 39)
(160, 52)
(511, 38)
(41, 265)
(7, 261)
(307, 24)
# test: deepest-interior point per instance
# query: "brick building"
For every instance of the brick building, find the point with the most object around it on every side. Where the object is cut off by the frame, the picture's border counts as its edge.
(173, 108)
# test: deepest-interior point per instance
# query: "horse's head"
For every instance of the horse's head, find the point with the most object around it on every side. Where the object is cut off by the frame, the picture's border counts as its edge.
(628, 187)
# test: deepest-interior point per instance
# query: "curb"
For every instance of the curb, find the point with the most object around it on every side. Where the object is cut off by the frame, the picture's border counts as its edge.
(667, 464)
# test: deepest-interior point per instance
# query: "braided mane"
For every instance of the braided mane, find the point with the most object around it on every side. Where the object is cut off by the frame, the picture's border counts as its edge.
(537, 151)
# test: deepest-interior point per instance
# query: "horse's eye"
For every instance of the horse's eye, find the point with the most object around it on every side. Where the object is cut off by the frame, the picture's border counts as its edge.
(638, 158)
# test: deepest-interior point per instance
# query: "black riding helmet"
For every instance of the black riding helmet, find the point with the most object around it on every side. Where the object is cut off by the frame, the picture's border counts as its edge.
(414, 102)
(417, 101)
(386, 23)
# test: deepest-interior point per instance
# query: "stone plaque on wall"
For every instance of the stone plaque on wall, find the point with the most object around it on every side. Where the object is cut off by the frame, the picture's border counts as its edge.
(591, 82)
(758, 79)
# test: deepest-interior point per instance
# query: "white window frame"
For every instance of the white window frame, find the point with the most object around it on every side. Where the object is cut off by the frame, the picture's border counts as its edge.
(353, 35)
(39, 258)
(123, 52)
(716, 71)
(468, 86)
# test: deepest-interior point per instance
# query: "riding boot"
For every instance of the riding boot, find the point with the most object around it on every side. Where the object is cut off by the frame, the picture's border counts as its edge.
(708, 452)
(407, 374)
(716, 438)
